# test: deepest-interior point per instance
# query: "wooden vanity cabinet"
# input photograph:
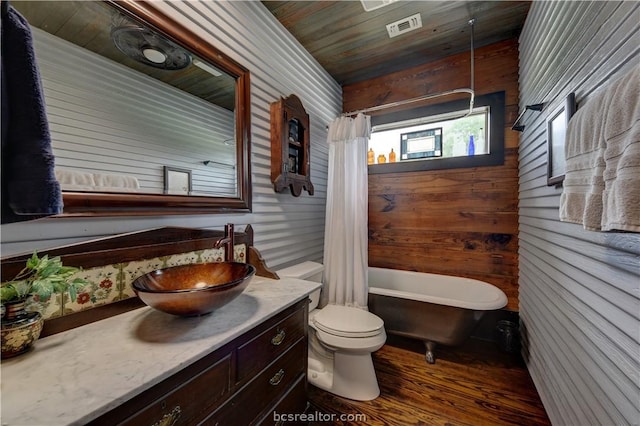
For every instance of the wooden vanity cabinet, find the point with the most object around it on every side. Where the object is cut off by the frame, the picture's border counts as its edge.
(256, 400)
(241, 383)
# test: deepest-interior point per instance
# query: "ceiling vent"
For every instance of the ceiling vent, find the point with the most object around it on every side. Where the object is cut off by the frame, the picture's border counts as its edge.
(370, 5)
(404, 25)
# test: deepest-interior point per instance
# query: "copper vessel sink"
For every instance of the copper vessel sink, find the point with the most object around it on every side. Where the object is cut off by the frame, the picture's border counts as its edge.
(191, 290)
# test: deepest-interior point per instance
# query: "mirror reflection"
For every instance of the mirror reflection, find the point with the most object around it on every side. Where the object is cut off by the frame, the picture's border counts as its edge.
(129, 110)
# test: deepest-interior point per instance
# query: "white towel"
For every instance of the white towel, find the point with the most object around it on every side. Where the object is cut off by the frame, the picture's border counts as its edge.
(621, 196)
(602, 149)
(116, 181)
(74, 180)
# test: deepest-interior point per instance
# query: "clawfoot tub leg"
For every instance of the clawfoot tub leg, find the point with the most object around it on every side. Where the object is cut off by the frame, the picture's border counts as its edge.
(429, 355)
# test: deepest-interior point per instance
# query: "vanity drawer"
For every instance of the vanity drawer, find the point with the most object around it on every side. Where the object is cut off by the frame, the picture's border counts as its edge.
(294, 402)
(263, 391)
(187, 402)
(256, 354)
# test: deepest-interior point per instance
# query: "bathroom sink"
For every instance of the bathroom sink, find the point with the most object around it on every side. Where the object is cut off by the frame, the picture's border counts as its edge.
(191, 290)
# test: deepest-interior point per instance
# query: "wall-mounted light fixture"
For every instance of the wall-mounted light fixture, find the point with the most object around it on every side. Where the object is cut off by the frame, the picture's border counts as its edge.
(207, 162)
(206, 67)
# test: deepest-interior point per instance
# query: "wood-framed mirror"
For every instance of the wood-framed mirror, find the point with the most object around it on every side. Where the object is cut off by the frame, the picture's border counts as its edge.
(130, 93)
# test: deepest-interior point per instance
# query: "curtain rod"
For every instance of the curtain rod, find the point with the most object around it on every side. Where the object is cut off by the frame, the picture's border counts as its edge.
(412, 100)
(471, 90)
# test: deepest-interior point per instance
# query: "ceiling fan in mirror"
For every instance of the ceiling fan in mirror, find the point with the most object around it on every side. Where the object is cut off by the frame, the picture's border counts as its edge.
(146, 46)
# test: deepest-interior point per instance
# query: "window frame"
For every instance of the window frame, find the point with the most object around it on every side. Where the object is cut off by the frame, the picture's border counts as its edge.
(496, 103)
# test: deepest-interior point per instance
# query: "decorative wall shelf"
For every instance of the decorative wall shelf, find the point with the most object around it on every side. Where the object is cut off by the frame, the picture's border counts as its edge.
(290, 162)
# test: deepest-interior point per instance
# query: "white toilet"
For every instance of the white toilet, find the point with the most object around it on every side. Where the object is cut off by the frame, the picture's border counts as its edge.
(341, 340)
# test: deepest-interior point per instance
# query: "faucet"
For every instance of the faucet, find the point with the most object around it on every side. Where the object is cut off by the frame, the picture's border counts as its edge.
(228, 241)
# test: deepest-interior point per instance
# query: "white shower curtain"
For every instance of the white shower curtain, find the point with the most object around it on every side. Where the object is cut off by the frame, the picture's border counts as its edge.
(345, 237)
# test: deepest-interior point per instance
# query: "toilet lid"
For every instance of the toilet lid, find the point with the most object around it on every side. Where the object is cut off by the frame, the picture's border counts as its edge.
(346, 321)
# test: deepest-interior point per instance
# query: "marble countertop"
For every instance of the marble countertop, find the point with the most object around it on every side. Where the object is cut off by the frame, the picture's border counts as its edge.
(75, 376)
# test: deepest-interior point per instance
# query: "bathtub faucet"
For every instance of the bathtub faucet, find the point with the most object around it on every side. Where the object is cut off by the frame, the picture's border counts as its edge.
(228, 241)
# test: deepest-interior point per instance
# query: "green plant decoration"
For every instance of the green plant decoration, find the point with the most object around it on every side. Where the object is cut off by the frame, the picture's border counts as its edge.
(42, 277)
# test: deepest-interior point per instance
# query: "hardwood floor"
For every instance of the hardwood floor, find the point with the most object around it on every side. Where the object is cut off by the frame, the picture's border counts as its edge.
(473, 384)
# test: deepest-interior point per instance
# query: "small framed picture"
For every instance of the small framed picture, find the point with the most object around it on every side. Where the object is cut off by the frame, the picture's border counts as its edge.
(177, 181)
(556, 131)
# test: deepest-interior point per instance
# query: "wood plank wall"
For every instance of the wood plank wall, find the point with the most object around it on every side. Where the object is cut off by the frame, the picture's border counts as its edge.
(460, 221)
(579, 290)
(287, 229)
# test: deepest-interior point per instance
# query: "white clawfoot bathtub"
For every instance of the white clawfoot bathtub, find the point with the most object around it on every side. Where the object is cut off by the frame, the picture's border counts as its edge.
(430, 307)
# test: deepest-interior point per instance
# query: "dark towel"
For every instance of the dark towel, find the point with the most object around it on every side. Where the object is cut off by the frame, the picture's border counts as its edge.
(29, 187)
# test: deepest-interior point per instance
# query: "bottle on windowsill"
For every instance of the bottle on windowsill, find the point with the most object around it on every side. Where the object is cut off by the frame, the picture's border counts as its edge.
(371, 159)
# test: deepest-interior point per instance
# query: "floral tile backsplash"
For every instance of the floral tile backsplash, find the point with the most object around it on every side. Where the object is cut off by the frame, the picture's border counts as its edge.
(111, 283)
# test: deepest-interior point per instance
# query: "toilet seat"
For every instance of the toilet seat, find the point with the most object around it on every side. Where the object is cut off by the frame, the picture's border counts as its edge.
(344, 321)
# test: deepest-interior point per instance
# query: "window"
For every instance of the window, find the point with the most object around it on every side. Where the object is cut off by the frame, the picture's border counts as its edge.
(441, 136)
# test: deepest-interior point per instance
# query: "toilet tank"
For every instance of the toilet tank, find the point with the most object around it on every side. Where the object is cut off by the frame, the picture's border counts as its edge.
(308, 271)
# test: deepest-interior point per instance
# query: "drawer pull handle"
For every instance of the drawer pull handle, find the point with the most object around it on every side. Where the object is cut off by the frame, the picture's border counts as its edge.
(169, 419)
(278, 338)
(277, 378)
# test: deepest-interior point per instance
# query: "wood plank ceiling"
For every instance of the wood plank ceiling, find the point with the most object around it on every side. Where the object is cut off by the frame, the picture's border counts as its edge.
(353, 45)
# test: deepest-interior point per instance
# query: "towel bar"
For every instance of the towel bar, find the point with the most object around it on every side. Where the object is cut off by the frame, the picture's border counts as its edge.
(520, 127)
